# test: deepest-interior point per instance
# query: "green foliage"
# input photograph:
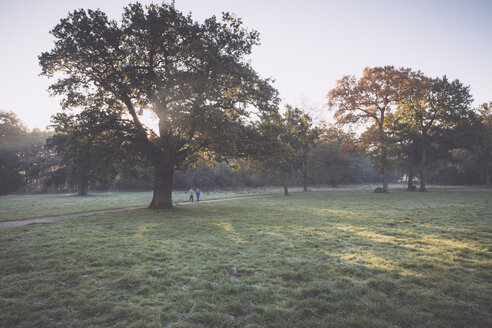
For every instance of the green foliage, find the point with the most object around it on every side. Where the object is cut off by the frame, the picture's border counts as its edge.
(12, 133)
(482, 149)
(24, 160)
(475, 142)
(292, 137)
(93, 145)
(193, 76)
(434, 117)
(335, 158)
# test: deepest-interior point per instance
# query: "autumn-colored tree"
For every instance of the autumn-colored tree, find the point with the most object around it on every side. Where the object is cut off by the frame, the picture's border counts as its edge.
(369, 100)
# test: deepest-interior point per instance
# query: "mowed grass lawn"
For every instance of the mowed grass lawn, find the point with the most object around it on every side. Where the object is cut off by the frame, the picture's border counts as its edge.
(316, 259)
(15, 207)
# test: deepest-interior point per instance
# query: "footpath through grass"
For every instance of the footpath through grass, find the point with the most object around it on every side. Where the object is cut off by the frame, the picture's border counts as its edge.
(22, 207)
(318, 259)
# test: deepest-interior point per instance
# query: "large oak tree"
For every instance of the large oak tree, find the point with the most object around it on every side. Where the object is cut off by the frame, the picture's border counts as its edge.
(193, 76)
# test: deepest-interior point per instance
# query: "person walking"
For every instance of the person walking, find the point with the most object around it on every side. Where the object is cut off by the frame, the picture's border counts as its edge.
(197, 193)
(191, 195)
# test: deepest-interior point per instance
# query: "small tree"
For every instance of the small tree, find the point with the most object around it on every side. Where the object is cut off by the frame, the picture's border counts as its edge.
(91, 145)
(290, 137)
(335, 157)
(278, 161)
(23, 158)
(301, 135)
(13, 141)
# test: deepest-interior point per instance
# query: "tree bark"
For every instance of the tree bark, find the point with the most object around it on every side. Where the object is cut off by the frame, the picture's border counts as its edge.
(164, 165)
(411, 175)
(82, 185)
(423, 165)
(163, 187)
(304, 175)
(384, 155)
(385, 176)
(286, 190)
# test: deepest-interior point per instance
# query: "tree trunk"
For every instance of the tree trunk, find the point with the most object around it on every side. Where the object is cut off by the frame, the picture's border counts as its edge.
(286, 190)
(304, 175)
(411, 175)
(334, 183)
(384, 156)
(82, 185)
(488, 182)
(385, 175)
(423, 165)
(163, 187)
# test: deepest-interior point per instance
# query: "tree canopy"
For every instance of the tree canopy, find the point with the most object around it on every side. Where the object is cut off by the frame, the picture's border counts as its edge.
(194, 77)
(370, 99)
(23, 157)
(92, 145)
(430, 107)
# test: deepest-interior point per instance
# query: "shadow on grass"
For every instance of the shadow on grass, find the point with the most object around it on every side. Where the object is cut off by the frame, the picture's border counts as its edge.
(260, 262)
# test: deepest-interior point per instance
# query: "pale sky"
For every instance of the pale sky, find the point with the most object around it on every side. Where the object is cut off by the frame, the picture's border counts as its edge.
(306, 45)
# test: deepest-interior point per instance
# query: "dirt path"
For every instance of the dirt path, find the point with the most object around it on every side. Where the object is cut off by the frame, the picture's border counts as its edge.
(12, 224)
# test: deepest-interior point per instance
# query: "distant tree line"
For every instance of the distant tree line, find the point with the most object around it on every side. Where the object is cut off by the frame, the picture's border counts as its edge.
(80, 151)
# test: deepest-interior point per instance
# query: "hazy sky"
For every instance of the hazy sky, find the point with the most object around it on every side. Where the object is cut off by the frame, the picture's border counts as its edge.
(306, 45)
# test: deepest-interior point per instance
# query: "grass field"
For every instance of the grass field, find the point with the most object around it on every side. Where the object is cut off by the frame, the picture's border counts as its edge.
(13, 208)
(317, 259)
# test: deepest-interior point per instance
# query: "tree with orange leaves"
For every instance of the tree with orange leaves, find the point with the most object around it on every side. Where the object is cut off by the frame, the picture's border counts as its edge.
(369, 100)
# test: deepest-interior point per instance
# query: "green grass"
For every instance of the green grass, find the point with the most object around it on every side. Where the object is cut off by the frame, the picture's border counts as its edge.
(22, 207)
(318, 259)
